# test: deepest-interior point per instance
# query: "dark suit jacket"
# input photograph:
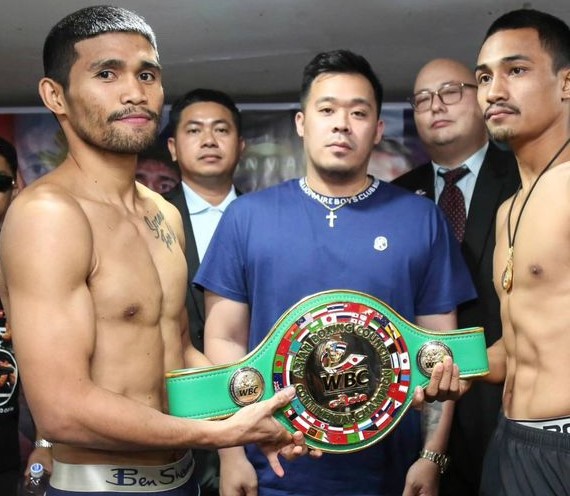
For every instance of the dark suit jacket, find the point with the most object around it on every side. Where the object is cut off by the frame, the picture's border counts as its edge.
(194, 297)
(207, 462)
(476, 412)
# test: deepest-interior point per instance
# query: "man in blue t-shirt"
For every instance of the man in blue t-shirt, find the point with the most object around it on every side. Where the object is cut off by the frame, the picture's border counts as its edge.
(336, 228)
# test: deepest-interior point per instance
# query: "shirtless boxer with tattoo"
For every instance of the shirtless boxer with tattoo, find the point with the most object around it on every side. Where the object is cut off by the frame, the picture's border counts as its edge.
(93, 278)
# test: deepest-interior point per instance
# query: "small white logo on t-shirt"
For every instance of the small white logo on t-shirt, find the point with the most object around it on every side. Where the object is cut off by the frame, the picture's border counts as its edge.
(380, 243)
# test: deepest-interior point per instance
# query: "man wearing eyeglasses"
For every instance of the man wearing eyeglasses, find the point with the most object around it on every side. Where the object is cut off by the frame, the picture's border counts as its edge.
(451, 127)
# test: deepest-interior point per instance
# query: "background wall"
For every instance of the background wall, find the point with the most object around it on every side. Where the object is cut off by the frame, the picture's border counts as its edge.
(273, 150)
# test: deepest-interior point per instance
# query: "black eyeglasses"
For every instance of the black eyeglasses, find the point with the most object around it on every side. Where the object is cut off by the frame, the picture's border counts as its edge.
(448, 94)
(6, 183)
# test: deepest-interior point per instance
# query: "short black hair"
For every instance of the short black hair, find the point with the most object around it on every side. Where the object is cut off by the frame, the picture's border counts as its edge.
(202, 95)
(59, 48)
(342, 62)
(553, 33)
(8, 151)
(158, 151)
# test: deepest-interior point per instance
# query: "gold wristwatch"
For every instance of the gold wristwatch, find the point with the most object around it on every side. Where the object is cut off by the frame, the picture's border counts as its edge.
(440, 459)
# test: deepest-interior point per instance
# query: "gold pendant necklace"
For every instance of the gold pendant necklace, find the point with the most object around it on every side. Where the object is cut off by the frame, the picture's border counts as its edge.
(507, 276)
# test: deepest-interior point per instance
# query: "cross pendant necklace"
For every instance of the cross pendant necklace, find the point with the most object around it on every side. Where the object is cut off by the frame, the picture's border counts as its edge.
(507, 276)
(331, 218)
(340, 201)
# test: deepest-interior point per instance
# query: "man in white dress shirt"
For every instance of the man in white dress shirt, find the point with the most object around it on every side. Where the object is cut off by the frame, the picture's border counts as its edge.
(206, 143)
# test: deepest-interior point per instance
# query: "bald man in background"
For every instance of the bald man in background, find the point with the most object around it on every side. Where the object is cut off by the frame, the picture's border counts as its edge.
(450, 125)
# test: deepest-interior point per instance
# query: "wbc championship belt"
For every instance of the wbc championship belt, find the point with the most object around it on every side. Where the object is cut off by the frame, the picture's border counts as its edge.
(353, 361)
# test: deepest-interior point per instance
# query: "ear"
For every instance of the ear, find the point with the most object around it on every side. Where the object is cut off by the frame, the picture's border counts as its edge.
(300, 123)
(20, 182)
(171, 143)
(52, 95)
(379, 131)
(566, 85)
(241, 146)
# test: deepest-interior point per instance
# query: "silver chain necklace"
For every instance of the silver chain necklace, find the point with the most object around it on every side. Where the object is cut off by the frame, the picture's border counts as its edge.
(339, 202)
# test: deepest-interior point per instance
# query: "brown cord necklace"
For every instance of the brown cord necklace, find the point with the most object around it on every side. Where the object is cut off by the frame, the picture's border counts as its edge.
(507, 277)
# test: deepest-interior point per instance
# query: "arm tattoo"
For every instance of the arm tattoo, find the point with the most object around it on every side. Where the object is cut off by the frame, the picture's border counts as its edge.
(161, 229)
(431, 414)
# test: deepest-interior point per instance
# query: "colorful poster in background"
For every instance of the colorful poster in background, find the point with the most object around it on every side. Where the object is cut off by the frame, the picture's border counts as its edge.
(273, 152)
(40, 143)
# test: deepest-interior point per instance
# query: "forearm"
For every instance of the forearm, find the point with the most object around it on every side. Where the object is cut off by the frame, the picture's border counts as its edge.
(194, 358)
(497, 356)
(221, 351)
(227, 329)
(108, 421)
(229, 455)
(436, 424)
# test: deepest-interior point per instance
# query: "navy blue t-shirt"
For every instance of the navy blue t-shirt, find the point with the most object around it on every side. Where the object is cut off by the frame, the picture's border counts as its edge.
(274, 247)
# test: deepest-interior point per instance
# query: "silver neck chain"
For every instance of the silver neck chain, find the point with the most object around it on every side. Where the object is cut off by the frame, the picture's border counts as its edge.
(334, 203)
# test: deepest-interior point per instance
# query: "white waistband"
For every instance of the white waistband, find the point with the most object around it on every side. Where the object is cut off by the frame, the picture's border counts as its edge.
(559, 425)
(124, 479)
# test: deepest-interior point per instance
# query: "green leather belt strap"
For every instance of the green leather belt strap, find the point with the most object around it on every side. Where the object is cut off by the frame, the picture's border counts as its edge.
(323, 329)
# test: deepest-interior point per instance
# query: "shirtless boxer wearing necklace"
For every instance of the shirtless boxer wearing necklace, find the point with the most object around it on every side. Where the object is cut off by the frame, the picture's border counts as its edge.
(523, 73)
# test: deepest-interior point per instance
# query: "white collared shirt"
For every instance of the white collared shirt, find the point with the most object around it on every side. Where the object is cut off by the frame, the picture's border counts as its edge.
(467, 183)
(204, 216)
